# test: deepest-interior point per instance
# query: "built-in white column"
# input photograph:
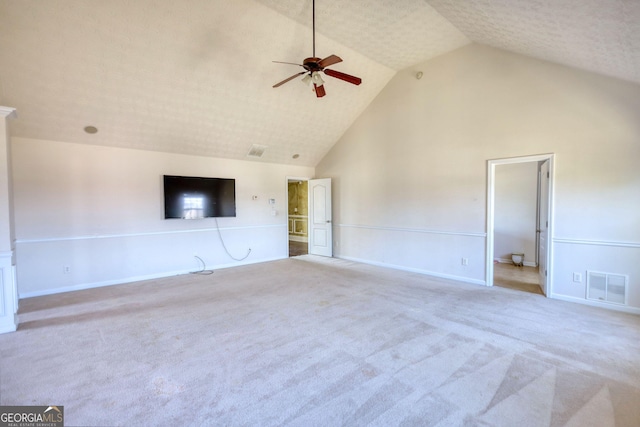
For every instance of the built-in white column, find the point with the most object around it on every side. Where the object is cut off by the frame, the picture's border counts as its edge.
(8, 284)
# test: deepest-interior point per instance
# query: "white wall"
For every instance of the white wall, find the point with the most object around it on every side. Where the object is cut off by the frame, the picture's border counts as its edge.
(516, 189)
(410, 174)
(99, 212)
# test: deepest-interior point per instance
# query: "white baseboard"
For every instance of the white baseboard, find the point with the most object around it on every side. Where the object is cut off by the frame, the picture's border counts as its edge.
(614, 307)
(9, 324)
(415, 270)
(124, 280)
(509, 261)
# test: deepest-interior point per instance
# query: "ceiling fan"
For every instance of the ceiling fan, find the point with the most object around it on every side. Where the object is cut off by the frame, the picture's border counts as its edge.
(314, 65)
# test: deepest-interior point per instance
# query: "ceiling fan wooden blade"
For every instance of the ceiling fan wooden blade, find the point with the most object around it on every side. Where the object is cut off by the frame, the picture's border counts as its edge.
(329, 60)
(342, 76)
(290, 63)
(320, 92)
(290, 78)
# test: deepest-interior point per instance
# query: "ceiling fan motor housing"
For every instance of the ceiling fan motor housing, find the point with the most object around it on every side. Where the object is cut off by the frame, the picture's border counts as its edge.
(312, 64)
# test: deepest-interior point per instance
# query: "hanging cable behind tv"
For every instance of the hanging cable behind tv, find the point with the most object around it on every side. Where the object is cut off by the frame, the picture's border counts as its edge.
(203, 271)
(225, 246)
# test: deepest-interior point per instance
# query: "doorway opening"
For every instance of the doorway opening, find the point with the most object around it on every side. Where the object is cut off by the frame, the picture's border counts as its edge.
(310, 229)
(298, 216)
(519, 226)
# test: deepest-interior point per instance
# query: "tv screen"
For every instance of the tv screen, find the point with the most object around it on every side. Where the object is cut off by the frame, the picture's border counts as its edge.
(190, 197)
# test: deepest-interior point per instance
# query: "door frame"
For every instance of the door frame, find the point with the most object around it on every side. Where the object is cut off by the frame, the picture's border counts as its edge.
(286, 183)
(490, 227)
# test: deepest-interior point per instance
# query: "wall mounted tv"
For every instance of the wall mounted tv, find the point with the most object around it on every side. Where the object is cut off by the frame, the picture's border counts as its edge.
(190, 197)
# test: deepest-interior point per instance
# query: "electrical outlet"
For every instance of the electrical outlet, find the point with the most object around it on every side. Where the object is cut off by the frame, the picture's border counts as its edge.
(577, 277)
(465, 261)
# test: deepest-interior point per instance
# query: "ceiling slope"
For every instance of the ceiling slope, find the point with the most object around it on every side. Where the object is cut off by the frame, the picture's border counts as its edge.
(196, 77)
(602, 36)
(156, 75)
(396, 34)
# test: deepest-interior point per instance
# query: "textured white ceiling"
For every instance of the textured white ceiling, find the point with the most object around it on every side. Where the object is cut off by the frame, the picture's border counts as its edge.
(602, 36)
(396, 33)
(195, 76)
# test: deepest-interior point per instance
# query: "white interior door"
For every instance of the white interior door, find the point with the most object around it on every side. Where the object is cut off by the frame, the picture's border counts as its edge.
(320, 231)
(543, 227)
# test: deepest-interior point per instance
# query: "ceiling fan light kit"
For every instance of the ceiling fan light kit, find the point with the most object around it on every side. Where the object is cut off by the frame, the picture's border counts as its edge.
(314, 65)
(316, 78)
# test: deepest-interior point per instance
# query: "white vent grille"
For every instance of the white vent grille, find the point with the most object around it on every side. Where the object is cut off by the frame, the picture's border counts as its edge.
(607, 287)
(256, 150)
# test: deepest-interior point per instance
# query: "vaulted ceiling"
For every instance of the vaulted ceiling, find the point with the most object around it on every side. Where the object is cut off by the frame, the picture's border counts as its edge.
(195, 77)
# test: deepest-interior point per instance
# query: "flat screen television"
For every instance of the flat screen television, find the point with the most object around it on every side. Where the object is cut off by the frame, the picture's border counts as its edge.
(190, 197)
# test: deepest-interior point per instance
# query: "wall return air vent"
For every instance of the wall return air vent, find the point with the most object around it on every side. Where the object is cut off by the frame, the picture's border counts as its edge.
(256, 150)
(607, 287)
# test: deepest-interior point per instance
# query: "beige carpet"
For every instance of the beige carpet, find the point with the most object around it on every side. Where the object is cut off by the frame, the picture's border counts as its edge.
(310, 341)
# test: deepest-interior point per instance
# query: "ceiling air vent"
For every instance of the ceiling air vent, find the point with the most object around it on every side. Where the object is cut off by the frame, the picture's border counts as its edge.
(256, 150)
